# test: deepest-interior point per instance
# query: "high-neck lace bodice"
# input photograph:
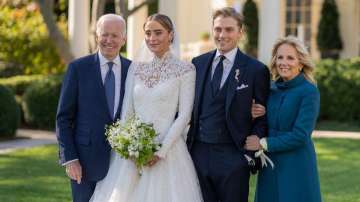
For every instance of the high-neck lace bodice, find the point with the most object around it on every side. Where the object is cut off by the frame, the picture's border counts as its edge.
(161, 69)
(156, 91)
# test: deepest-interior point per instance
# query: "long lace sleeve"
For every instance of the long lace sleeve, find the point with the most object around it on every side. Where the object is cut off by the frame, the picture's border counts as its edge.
(128, 103)
(186, 100)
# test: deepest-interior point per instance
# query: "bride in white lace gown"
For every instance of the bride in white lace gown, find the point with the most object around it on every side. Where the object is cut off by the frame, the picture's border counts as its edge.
(160, 92)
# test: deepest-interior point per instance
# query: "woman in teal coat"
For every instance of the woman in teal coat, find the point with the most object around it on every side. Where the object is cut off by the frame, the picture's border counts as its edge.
(292, 109)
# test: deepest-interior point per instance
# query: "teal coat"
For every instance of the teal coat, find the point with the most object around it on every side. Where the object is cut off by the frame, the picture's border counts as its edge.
(292, 110)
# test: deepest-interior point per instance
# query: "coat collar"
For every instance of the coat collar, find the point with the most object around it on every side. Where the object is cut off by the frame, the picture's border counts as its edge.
(124, 71)
(235, 77)
(281, 84)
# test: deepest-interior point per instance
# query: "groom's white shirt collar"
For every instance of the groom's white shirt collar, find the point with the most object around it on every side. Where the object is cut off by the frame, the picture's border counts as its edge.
(230, 56)
(228, 63)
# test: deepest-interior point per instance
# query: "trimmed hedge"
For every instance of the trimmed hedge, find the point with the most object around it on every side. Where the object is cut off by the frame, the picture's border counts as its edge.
(10, 113)
(251, 22)
(339, 85)
(328, 37)
(39, 103)
(18, 84)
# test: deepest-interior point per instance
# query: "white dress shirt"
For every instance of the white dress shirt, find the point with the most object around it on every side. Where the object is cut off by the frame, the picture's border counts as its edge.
(104, 67)
(228, 63)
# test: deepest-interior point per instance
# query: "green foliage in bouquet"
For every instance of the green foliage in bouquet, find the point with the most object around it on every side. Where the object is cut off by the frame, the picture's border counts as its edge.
(133, 139)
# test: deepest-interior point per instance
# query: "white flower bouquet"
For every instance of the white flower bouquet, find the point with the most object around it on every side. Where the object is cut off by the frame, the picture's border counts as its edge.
(134, 140)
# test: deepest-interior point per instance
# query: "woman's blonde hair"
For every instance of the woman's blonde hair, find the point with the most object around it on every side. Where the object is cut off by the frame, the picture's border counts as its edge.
(303, 56)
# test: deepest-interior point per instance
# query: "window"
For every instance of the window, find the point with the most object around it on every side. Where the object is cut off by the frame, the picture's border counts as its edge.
(298, 16)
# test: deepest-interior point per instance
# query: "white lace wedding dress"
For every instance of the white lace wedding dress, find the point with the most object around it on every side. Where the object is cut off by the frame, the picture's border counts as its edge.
(156, 92)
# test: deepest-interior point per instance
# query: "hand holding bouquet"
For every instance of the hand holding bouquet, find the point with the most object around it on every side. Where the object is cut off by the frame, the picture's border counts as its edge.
(133, 140)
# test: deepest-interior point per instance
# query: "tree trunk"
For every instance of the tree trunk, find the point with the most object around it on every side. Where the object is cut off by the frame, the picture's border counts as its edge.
(121, 9)
(61, 44)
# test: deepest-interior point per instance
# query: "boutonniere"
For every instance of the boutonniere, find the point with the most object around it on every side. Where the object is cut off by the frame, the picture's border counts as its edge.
(237, 73)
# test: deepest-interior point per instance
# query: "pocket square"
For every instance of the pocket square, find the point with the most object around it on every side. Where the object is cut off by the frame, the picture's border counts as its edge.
(242, 86)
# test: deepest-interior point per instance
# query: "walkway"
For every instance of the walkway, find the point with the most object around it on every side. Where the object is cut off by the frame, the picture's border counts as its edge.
(28, 138)
(31, 138)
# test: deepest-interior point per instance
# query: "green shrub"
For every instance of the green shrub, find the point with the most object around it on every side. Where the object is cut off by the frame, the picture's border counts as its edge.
(25, 43)
(9, 113)
(328, 37)
(40, 103)
(8, 70)
(339, 85)
(251, 22)
(18, 84)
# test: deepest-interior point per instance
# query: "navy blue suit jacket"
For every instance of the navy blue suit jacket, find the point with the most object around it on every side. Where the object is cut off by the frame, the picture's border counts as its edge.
(252, 82)
(82, 115)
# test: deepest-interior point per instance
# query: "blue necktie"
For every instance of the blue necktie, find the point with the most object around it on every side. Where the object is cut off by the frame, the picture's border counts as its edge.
(110, 88)
(216, 80)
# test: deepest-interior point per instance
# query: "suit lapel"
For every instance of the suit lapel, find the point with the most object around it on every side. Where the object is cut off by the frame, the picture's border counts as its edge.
(237, 68)
(202, 74)
(100, 85)
(124, 70)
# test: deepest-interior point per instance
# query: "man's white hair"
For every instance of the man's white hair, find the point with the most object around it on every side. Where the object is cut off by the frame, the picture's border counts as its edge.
(110, 17)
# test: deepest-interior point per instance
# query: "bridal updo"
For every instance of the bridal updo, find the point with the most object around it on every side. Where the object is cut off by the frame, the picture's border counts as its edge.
(162, 19)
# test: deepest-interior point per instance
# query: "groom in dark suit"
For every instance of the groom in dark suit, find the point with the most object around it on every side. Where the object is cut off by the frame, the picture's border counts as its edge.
(227, 82)
(91, 97)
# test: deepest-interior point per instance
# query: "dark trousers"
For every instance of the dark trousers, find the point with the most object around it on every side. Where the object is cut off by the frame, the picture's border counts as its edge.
(82, 192)
(223, 172)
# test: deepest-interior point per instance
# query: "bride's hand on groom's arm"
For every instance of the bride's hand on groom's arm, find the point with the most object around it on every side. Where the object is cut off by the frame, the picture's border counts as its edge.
(153, 161)
(74, 171)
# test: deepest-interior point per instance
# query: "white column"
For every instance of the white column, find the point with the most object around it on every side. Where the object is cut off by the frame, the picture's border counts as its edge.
(269, 30)
(191, 19)
(301, 32)
(135, 31)
(170, 8)
(79, 14)
(217, 4)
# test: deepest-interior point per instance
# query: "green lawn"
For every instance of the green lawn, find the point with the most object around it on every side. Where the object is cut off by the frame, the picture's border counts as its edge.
(338, 126)
(33, 175)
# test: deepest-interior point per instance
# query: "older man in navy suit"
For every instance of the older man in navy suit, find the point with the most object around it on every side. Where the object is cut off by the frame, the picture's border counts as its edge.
(91, 97)
(227, 82)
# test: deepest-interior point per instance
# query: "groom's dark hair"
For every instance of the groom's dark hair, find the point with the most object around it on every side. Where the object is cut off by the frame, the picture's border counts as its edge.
(229, 12)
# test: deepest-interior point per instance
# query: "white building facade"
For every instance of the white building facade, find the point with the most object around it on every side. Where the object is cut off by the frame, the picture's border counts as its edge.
(277, 18)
